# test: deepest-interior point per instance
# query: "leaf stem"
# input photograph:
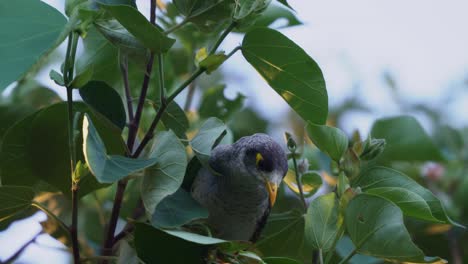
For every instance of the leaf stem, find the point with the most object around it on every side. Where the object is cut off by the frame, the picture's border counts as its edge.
(162, 87)
(320, 252)
(68, 75)
(124, 70)
(51, 215)
(222, 37)
(299, 182)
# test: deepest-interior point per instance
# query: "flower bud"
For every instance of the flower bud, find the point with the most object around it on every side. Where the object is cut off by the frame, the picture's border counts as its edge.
(373, 147)
(290, 142)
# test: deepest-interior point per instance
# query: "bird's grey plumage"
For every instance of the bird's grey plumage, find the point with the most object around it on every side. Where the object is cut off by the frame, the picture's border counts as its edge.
(233, 189)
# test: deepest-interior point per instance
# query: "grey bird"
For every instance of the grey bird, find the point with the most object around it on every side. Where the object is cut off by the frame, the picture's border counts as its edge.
(240, 186)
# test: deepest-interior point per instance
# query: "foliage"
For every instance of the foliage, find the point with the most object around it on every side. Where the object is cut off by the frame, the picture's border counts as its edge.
(346, 200)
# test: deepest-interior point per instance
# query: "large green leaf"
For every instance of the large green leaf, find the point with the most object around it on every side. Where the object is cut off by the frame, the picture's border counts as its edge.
(28, 28)
(178, 247)
(406, 140)
(14, 199)
(35, 150)
(209, 134)
(376, 227)
(105, 100)
(330, 140)
(166, 175)
(322, 222)
(149, 35)
(177, 209)
(289, 71)
(174, 118)
(284, 236)
(394, 181)
(107, 168)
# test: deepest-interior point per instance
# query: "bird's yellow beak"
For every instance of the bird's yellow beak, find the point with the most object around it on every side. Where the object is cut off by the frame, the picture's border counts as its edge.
(272, 189)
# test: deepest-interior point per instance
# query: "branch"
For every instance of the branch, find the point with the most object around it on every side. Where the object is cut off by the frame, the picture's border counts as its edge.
(223, 36)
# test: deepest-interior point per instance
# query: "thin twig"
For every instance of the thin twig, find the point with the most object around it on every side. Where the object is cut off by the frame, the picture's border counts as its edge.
(51, 215)
(223, 36)
(299, 182)
(345, 260)
(190, 94)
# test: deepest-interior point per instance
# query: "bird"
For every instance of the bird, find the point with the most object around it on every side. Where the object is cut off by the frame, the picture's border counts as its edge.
(240, 185)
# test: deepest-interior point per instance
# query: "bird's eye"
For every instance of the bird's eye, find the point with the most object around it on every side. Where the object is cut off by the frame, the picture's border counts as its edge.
(258, 159)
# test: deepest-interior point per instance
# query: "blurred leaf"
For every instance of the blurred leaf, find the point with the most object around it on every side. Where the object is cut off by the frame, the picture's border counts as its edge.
(205, 14)
(311, 182)
(131, 3)
(376, 227)
(280, 260)
(174, 118)
(210, 132)
(22, 156)
(23, 43)
(107, 168)
(127, 254)
(245, 8)
(285, 3)
(246, 122)
(10, 114)
(285, 227)
(289, 71)
(330, 140)
(14, 199)
(176, 210)
(82, 78)
(172, 246)
(105, 100)
(212, 62)
(214, 103)
(322, 222)
(149, 35)
(166, 175)
(404, 192)
(406, 140)
(274, 13)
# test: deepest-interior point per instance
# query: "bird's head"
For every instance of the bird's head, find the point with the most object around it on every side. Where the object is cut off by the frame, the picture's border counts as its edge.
(264, 160)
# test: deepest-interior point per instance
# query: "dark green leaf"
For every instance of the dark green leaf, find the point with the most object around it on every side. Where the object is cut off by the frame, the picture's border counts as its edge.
(322, 222)
(406, 140)
(24, 41)
(175, 119)
(330, 140)
(149, 35)
(210, 132)
(394, 181)
(177, 209)
(284, 236)
(56, 77)
(285, 3)
(105, 100)
(245, 8)
(35, 150)
(176, 247)
(10, 114)
(166, 175)
(193, 8)
(214, 103)
(289, 71)
(131, 3)
(107, 168)
(14, 199)
(280, 260)
(376, 227)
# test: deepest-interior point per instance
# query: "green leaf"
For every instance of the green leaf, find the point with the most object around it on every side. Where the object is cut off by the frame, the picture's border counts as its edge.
(176, 210)
(149, 35)
(25, 41)
(311, 182)
(245, 8)
(12, 113)
(405, 140)
(210, 132)
(193, 8)
(281, 228)
(107, 168)
(172, 246)
(22, 157)
(376, 227)
(289, 71)
(166, 175)
(14, 199)
(345, 247)
(56, 77)
(329, 140)
(82, 78)
(381, 177)
(105, 100)
(276, 13)
(280, 260)
(214, 103)
(286, 4)
(322, 222)
(212, 62)
(175, 119)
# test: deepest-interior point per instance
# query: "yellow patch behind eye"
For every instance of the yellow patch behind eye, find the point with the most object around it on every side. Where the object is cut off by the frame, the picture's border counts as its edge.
(258, 158)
